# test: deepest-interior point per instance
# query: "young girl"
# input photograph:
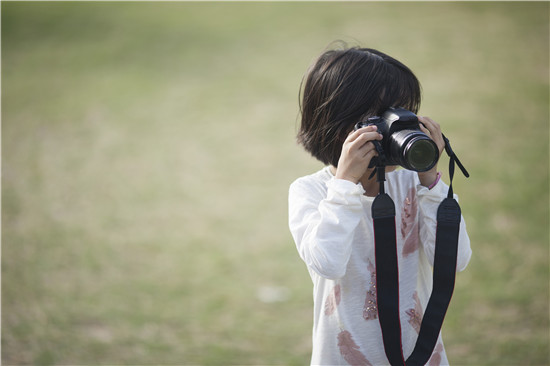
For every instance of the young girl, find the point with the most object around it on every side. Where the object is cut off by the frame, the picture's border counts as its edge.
(330, 211)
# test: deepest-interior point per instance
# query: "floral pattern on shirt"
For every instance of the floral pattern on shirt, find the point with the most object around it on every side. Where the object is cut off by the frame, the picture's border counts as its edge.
(435, 360)
(370, 310)
(350, 350)
(415, 314)
(409, 223)
(333, 300)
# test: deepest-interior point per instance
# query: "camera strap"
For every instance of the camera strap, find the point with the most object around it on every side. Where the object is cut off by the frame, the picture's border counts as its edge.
(387, 270)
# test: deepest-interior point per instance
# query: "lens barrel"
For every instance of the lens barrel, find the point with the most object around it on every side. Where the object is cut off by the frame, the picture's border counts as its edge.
(413, 150)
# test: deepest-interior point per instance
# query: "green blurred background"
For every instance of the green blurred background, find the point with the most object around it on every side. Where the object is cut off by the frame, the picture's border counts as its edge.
(148, 149)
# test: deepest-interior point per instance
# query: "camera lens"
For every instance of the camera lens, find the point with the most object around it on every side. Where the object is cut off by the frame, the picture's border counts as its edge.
(413, 150)
(421, 153)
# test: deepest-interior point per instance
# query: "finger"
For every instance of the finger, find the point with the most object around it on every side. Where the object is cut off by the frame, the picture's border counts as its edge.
(355, 134)
(424, 129)
(423, 122)
(364, 138)
(425, 119)
(432, 129)
(430, 124)
(369, 151)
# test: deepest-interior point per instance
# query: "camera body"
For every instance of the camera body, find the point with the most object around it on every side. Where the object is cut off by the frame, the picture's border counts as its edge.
(403, 142)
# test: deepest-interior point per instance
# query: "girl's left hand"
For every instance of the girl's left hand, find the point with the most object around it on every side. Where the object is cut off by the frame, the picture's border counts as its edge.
(433, 130)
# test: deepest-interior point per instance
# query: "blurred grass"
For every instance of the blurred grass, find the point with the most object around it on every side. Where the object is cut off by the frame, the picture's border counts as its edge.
(147, 152)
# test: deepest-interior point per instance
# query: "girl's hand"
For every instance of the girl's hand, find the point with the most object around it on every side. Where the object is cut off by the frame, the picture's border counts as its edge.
(357, 152)
(433, 130)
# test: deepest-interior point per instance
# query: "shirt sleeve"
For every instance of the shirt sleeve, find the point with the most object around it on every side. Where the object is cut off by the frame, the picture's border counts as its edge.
(429, 200)
(322, 224)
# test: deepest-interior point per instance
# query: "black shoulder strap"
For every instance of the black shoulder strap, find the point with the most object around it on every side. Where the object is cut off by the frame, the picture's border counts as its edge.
(387, 272)
(444, 271)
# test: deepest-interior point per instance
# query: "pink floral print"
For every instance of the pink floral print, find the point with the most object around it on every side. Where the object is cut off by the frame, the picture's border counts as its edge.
(332, 301)
(370, 310)
(350, 350)
(409, 223)
(415, 314)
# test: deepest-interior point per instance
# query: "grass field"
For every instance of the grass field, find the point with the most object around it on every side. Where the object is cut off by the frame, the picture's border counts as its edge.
(147, 150)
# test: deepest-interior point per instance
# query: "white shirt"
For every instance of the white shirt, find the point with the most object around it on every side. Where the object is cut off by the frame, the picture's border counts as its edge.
(331, 223)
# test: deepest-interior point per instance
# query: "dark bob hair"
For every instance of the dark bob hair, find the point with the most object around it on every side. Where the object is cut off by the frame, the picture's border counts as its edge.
(343, 87)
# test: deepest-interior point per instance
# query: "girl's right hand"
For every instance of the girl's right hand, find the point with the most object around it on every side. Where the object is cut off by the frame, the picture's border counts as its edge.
(357, 152)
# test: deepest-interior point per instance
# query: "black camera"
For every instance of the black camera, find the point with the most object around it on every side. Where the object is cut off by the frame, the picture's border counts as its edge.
(403, 142)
